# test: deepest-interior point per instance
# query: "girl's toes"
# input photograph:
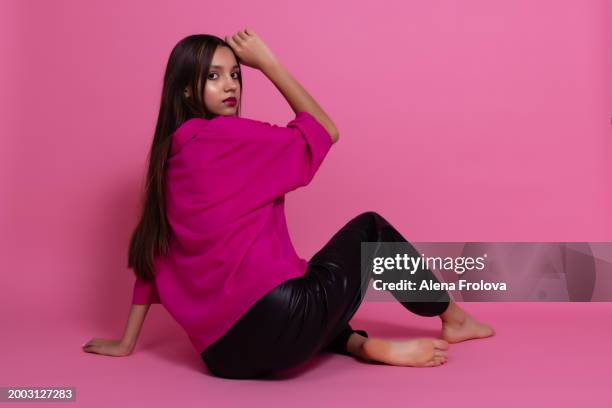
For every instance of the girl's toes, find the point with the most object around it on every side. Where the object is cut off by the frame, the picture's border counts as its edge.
(440, 353)
(441, 344)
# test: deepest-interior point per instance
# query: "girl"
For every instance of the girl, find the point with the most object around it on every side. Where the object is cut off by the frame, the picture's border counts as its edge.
(212, 243)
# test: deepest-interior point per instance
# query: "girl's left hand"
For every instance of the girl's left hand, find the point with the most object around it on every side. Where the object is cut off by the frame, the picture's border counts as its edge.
(251, 49)
(106, 347)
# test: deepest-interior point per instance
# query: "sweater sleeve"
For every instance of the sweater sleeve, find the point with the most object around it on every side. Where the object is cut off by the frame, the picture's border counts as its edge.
(145, 292)
(275, 159)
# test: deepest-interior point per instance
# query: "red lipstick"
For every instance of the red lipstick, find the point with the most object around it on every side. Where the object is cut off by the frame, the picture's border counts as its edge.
(230, 101)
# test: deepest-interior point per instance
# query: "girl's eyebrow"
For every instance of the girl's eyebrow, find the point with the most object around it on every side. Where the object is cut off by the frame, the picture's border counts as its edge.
(220, 66)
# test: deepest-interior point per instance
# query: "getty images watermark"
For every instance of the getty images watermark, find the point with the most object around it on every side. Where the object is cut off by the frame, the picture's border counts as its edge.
(487, 271)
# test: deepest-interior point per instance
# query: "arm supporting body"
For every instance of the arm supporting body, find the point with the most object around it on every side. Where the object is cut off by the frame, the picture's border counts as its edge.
(134, 324)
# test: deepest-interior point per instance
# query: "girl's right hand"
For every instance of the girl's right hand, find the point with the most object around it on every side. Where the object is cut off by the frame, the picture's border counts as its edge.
(251, 49)
(107, 347)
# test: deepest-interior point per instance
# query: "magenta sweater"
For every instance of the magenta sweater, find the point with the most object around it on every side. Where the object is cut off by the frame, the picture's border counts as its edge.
(229, 246)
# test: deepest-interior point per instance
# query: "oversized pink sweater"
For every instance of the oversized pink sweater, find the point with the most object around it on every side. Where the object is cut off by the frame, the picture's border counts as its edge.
(229, 245)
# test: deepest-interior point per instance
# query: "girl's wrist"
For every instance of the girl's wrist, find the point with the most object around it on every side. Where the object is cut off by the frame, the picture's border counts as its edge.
(270, 66)
(128, 344)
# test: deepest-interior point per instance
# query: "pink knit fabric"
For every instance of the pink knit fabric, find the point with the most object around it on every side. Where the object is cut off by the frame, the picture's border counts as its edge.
(229, 246)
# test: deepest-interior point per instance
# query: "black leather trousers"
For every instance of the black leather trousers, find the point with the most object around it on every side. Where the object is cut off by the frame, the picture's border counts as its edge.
(305, 315)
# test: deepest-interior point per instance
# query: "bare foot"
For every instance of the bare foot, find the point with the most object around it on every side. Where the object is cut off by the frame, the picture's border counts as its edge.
(459, 326)
(422, 352)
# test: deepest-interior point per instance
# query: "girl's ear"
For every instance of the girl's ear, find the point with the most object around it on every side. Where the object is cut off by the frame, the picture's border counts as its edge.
(187, 93)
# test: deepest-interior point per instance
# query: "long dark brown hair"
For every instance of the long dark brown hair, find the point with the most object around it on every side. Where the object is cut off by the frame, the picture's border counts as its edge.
(187, 66)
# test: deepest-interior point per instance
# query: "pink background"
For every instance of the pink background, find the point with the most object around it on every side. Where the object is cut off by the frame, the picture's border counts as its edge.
(459, 120)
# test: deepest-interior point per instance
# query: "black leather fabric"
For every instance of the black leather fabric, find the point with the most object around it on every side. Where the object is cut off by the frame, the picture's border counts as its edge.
(305, 315)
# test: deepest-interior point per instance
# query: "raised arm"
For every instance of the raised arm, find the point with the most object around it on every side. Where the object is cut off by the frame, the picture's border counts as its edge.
(297, 97)
(253, 52)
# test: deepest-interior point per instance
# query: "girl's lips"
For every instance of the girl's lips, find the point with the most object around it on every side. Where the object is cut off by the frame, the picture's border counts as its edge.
(230, 101)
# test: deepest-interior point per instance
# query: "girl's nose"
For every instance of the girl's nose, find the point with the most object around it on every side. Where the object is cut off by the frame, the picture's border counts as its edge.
(230, 84)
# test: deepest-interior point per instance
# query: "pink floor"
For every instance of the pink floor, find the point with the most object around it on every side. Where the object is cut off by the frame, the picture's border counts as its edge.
(544, 354)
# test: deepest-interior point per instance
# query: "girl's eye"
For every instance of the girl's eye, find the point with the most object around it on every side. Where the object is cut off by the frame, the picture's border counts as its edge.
(237, 73)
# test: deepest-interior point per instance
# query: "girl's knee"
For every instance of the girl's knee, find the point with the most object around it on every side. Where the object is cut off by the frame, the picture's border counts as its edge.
(369, 218)
(378, 219)
(370, 214)
(374, 218)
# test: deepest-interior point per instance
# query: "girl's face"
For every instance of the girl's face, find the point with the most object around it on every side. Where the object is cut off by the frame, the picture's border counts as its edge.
(222, 83)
